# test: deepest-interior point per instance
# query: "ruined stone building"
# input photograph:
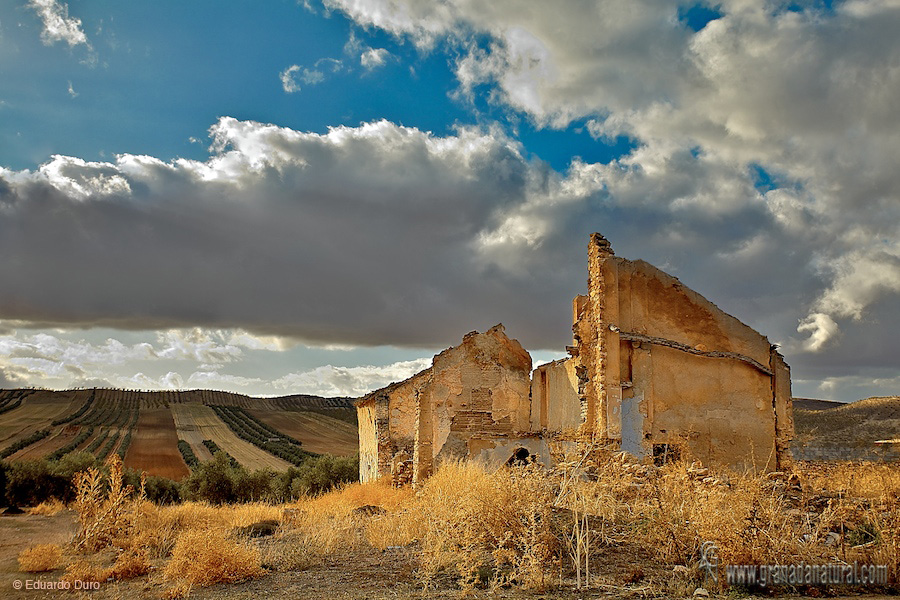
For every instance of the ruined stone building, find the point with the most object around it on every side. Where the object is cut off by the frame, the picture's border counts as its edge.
(654, 369)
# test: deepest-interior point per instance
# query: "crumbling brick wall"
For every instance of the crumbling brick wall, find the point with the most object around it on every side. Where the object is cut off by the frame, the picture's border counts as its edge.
(473, 393)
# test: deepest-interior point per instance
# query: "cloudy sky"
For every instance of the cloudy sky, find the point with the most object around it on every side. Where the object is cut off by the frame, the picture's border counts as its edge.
(314, 197)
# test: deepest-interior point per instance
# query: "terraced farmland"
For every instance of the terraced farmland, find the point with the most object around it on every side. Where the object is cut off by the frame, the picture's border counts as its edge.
(146, 426)
(56, 440)
(319, 433)
(196, 422)
(37, 409)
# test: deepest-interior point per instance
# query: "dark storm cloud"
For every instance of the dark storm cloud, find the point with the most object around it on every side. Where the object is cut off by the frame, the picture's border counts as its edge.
(373, 235)
(389, 235)
(366, 235)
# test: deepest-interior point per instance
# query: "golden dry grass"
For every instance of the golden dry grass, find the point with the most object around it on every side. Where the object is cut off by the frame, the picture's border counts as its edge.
(205, 557)
(44, 557)
(526, 527)
(47, 508)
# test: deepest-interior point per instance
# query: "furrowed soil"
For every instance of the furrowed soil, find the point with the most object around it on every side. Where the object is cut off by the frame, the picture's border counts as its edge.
(319, 433)
(54, 441)
(188, 430)
(37, 410)
(194, 418)
(154, 446)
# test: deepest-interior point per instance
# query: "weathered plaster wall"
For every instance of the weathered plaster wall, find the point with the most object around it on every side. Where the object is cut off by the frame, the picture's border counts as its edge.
(402, 407)
(368, 446)
(479, 390)
(473, 395)
(721, 409)
(660, 364)
(554, 397)
(387, 420)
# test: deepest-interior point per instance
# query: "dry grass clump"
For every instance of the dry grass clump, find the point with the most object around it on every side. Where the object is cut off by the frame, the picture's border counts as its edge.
(488, 526)
(48, 508)
(130, 564)
(396, 528)
(86, 571)
(40, 558)
(316, 528)
(204, 558)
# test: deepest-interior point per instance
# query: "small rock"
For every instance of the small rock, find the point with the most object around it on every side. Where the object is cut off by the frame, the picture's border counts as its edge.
(701, 593)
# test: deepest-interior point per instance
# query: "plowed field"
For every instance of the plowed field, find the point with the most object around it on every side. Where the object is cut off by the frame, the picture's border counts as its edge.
(154, 445)
(38, 409)
(54, 441)
(318, 432)
(195, 418)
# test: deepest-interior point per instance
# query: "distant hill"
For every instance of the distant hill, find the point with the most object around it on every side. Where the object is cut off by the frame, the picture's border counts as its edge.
(848, 431)
(813, 404)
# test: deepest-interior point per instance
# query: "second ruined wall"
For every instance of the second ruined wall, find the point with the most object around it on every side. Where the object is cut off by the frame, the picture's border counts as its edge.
(478, 394)
(555, 405)
(472, 402)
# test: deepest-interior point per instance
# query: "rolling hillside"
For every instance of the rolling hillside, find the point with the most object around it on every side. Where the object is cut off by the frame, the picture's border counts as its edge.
(146, 427)
(847, 431)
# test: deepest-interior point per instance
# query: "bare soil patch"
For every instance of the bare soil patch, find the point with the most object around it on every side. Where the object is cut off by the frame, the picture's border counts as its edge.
(18, 532)
(154, 445)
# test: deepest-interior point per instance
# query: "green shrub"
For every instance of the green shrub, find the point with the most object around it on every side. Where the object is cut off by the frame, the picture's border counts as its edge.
(187, 453)
(213, 481)
(322, 474)
(162, 490)
(254, 486)
(73, 462)
(4, 469)
(33, 481)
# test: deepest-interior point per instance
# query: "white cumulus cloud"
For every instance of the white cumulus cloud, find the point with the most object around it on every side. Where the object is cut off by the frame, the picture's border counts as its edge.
(333, 381)
(374, 57)
(58, 25)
